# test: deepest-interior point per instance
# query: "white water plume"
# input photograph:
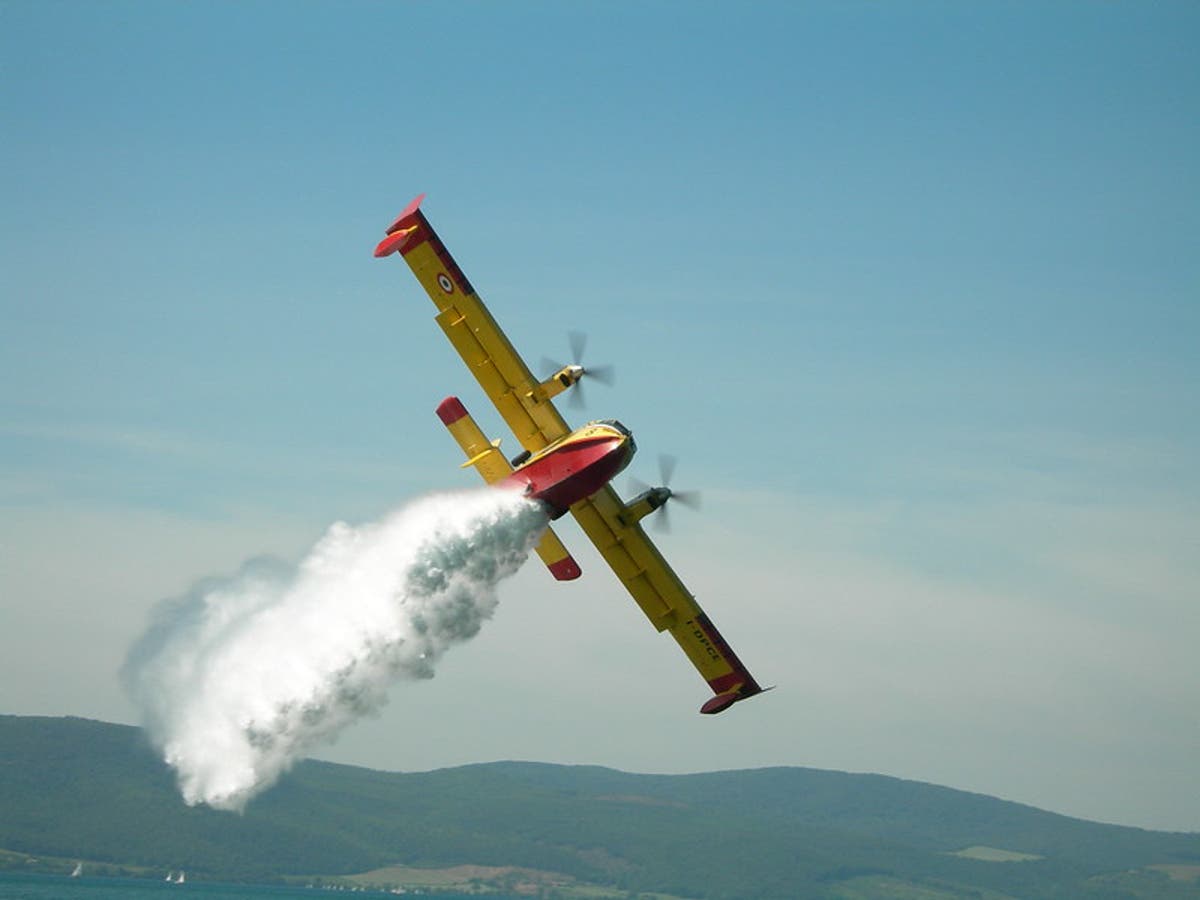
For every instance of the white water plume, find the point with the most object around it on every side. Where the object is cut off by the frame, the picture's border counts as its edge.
(242, 675)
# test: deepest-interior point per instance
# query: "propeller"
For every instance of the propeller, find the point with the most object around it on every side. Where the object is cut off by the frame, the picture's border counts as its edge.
(578, 342)
(666, 471)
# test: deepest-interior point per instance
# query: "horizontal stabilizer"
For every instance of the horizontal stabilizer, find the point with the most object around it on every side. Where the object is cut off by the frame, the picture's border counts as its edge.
(482, 454)
(485, 457)
(561, 564)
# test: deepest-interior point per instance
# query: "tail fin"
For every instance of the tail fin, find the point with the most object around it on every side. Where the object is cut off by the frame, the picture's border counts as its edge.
(561, 564)
(489, 462)
(483, 454)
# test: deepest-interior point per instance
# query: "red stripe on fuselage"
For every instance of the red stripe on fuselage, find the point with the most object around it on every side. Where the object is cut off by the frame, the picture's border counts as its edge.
(575, 469)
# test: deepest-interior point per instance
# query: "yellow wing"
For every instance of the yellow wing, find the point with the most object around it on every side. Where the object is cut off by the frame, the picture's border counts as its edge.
(663, 597)
(525, 405)
(523, 402)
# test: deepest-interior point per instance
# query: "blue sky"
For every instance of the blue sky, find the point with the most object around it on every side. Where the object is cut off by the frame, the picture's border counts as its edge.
(910, 289)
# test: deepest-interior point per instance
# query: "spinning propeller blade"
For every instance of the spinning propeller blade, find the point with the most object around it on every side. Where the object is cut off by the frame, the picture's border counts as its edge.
(578, 343)
(666, 471)
(579, 340)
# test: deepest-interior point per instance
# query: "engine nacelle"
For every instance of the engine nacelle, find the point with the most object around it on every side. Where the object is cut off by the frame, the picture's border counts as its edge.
(567, 376)
(645, 503)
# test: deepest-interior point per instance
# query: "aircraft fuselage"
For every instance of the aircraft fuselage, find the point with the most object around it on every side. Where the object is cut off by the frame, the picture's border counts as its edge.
(576, 466)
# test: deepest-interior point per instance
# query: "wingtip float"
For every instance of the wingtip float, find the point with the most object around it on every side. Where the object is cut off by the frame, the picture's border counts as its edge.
(566, 469)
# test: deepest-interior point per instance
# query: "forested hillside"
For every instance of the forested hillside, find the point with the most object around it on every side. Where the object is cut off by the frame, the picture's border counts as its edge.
(80, 789)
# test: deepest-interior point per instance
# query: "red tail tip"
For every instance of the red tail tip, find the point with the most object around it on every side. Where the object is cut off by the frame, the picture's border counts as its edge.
(451, 410)
(566, 569)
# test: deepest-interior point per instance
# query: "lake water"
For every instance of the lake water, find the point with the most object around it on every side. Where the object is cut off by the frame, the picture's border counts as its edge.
(14, 886)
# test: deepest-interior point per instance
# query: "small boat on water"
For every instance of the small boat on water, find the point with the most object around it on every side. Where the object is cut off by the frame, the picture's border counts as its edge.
(77, 871)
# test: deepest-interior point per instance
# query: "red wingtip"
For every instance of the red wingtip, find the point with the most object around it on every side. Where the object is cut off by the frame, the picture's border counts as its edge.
(720, 702)
(409, 212)
(450, 411)
(566, 569)
(393, 242)
(724, 701)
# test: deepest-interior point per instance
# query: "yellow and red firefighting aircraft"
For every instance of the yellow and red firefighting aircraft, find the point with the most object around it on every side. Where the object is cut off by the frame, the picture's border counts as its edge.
(567, 470)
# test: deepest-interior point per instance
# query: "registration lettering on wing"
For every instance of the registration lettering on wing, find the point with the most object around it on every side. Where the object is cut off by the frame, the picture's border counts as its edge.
(700, 636)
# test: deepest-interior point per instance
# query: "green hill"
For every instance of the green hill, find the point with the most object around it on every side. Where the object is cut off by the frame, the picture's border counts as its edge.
(78, 789)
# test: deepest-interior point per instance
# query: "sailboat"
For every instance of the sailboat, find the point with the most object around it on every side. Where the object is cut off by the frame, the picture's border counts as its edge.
(180, 878)
(77, 871)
